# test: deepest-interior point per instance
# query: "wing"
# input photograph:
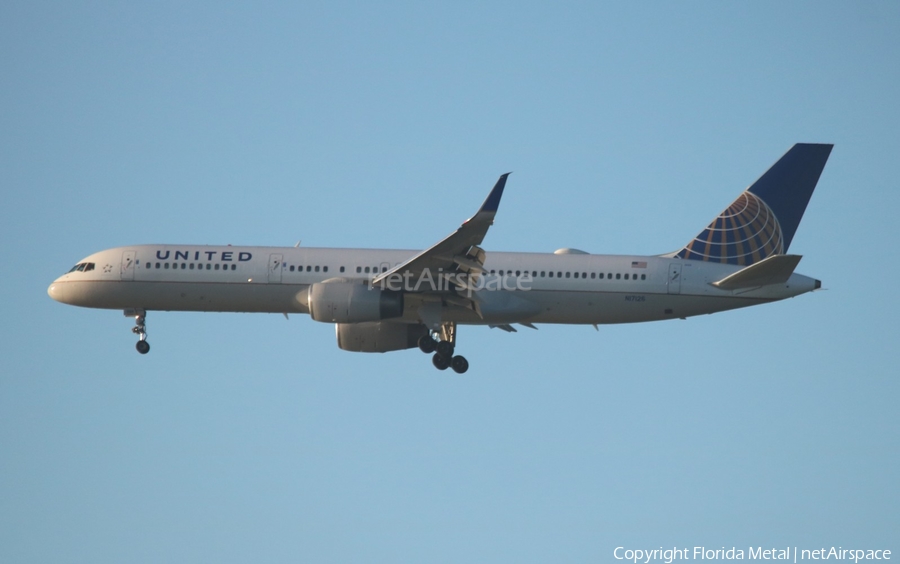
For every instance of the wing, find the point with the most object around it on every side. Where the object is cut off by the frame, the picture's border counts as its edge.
(457, 251)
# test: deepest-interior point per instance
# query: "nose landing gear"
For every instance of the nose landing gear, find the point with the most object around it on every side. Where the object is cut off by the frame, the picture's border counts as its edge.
(139, 329)
(445, 346)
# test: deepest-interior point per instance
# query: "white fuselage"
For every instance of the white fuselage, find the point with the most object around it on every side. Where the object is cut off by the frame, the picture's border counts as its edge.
(533, 287)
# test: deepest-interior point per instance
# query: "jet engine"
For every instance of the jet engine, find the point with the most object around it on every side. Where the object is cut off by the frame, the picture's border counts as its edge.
(342, 301)
(378, 336)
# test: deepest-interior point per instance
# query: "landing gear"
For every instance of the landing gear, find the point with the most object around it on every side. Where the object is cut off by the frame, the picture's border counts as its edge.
(443, 349)
(458, 363)
(139, 329)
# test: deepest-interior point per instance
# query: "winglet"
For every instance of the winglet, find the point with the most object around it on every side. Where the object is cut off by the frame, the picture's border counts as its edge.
(493, 200)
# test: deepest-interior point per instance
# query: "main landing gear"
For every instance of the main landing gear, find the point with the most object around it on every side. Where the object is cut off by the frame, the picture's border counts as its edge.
(443, 349)
(139, 329)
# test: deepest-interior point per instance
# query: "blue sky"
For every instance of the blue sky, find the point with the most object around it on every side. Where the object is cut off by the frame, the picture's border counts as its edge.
(628, 127)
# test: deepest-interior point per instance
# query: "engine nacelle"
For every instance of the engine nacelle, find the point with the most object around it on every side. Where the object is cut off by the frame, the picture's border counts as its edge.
(379, 336)
(343, 301)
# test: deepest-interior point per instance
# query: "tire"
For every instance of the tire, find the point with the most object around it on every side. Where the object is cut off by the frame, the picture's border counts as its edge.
(440, 362)
(459, 364)
(427, 344)
(445, 348)
(142, 347)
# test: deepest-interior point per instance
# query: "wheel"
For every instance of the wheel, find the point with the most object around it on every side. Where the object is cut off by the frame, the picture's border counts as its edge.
(427, 344)
(440, 362)
(142, 347)
(459, 364)
(445, 348)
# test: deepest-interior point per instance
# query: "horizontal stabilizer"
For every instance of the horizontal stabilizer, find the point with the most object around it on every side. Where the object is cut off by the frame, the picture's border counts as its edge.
(776, 269)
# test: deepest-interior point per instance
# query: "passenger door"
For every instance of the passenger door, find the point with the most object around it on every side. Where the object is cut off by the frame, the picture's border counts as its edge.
(127, 269)
(275, 267)
(673, 283)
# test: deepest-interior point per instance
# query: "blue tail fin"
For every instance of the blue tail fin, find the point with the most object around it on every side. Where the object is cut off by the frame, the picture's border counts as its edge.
(763, 220)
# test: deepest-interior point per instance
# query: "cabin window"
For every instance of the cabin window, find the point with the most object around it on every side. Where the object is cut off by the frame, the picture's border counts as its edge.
(324, 269)
(518, 272)
(643, 276)
(342, 269)
(317, 269)
(157, 265)
(567, 274)
(233, 267)
(291, 268)
(609, 275)
(148, 265)
(593, 275)
(551, 274)
(367, 270)
(358, 269)
(192, 266)
(184, 266)
(308, 268)
(208, 266)
(542, 274)
(618, 276)
(559, 274)
(534, 274)
(217, 266)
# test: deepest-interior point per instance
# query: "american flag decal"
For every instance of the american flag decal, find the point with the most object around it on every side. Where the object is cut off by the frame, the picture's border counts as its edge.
(638, 264)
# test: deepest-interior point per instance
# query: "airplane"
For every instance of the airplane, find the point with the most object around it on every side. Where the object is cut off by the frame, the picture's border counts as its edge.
(383, 300)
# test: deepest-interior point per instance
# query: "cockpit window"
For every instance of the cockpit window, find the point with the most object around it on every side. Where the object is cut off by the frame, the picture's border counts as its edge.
(82, 267)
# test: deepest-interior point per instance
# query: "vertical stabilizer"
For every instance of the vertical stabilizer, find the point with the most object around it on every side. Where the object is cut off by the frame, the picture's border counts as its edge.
(763, 220)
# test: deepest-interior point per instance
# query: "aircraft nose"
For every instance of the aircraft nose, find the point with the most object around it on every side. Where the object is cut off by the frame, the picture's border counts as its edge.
(55, 291)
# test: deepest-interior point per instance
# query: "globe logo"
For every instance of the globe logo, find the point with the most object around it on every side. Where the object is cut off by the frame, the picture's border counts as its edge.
(745, 233)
